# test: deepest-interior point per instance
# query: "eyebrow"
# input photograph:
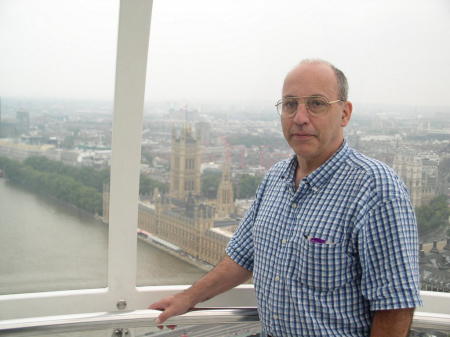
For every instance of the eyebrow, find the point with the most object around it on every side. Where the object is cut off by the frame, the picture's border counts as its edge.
(313, 95)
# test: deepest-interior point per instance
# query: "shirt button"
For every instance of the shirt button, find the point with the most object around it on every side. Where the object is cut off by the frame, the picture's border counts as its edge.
(275, 316)
(277, 278)
(284, 241)
(294, 205)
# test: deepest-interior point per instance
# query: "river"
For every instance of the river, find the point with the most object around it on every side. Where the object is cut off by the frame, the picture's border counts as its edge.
(49, 246)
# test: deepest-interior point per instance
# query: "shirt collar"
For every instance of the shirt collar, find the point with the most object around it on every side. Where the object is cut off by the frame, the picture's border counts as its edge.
(322, 174)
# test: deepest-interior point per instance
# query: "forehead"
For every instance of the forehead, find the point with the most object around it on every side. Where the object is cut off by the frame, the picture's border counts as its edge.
(311, 79)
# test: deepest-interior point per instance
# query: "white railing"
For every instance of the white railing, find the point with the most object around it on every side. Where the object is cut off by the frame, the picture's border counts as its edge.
(122, 320)
(145, 318)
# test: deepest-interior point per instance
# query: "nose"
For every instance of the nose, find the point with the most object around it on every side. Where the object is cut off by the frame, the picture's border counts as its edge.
(301, 115)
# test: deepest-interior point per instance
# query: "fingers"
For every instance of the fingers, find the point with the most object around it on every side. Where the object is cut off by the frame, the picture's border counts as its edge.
(162, 318)
(171, 327)
(167, 313)
(171, 306)
(160, 305)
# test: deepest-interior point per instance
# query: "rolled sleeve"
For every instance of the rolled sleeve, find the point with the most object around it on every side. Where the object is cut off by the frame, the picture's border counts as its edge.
(240, 247)
(388, 249)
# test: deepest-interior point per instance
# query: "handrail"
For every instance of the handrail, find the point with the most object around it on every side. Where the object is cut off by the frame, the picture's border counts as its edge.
(432, 321)
(145, 318)
(128, 319)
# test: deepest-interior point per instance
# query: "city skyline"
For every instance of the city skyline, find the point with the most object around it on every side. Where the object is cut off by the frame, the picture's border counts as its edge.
(155, 109)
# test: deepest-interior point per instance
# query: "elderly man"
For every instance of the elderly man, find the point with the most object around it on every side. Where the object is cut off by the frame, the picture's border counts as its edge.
(331, 239)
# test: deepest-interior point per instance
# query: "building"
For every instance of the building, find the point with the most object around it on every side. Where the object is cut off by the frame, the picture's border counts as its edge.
(435, 267)
(225, 198)
(23, 121)
(183, 218)
(420, 179)
(184, 164)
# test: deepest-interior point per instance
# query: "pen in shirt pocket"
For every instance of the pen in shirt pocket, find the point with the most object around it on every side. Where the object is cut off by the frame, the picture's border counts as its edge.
(318, 240)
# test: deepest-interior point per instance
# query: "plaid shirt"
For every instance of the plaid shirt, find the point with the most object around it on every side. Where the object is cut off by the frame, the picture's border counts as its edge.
(326, 255)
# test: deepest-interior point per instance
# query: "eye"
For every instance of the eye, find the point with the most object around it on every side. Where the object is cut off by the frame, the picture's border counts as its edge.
(289, 104)
(317, 102)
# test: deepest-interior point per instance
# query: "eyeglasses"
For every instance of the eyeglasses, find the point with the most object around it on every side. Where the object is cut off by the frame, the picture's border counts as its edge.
(315, 105)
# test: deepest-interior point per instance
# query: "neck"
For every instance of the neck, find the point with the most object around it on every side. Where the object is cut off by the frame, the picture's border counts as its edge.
(307, 165)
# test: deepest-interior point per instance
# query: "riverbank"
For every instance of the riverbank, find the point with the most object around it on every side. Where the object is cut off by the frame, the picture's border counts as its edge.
(76, 211)
(172, 250)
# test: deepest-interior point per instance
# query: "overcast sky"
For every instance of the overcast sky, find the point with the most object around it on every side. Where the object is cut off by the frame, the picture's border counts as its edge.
(393, 51)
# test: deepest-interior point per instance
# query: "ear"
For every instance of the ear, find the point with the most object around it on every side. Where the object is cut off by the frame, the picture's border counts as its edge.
(346, 113)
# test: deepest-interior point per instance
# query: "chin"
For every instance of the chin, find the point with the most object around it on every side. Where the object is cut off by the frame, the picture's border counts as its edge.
(303, 146)
(304, 151)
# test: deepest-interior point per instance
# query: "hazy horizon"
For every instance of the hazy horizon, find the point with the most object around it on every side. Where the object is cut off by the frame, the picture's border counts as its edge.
(239, 52)
(56, 105)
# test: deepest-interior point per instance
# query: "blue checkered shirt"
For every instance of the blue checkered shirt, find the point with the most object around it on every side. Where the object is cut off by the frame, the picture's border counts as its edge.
(325, 256)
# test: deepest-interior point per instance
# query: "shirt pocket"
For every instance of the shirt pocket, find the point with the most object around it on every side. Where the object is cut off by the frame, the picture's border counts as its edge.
(325, 266)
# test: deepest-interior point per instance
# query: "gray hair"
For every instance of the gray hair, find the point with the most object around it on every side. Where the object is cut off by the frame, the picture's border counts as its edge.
(342, 83)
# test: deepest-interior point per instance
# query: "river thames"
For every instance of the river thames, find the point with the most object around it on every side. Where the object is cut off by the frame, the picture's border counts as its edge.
(49, 246)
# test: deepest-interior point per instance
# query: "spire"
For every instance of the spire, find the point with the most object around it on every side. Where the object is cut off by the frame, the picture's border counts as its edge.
(421, 252)
(434, 249)
(225, 196)
(447, 246)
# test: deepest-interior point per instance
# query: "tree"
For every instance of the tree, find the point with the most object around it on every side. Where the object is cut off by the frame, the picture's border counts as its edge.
(210, 181)
(434, 215)
(77, 186)
(86, 175)
(147, 158)
(247, 186)
(147, 185)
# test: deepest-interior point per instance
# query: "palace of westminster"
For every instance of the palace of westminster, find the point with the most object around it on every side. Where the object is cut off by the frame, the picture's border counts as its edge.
(198, 226)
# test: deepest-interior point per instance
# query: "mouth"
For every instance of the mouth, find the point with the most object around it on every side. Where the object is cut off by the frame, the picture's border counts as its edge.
(302, 136)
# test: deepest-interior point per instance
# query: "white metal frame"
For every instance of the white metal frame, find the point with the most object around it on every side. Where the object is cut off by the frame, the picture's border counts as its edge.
(132, 49)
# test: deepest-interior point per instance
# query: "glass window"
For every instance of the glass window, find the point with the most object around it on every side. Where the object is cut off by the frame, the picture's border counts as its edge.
(215, 73)
(58, 64)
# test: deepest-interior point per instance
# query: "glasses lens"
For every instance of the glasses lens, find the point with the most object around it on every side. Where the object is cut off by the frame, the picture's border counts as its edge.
(317, 105)
(289, 106)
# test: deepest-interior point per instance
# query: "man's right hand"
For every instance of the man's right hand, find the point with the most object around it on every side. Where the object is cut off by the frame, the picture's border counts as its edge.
(174, 305)
(226, 275)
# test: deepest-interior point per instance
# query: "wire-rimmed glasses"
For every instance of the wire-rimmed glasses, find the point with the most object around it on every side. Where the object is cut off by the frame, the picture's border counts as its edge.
(315, 105)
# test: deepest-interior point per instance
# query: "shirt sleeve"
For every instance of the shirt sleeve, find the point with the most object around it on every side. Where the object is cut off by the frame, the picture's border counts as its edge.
(240, 247)
(388, 250)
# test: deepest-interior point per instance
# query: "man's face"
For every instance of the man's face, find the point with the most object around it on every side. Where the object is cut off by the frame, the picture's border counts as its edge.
(314, 138)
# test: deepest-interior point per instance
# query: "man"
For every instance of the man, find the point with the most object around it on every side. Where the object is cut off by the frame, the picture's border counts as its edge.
(331, 239)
